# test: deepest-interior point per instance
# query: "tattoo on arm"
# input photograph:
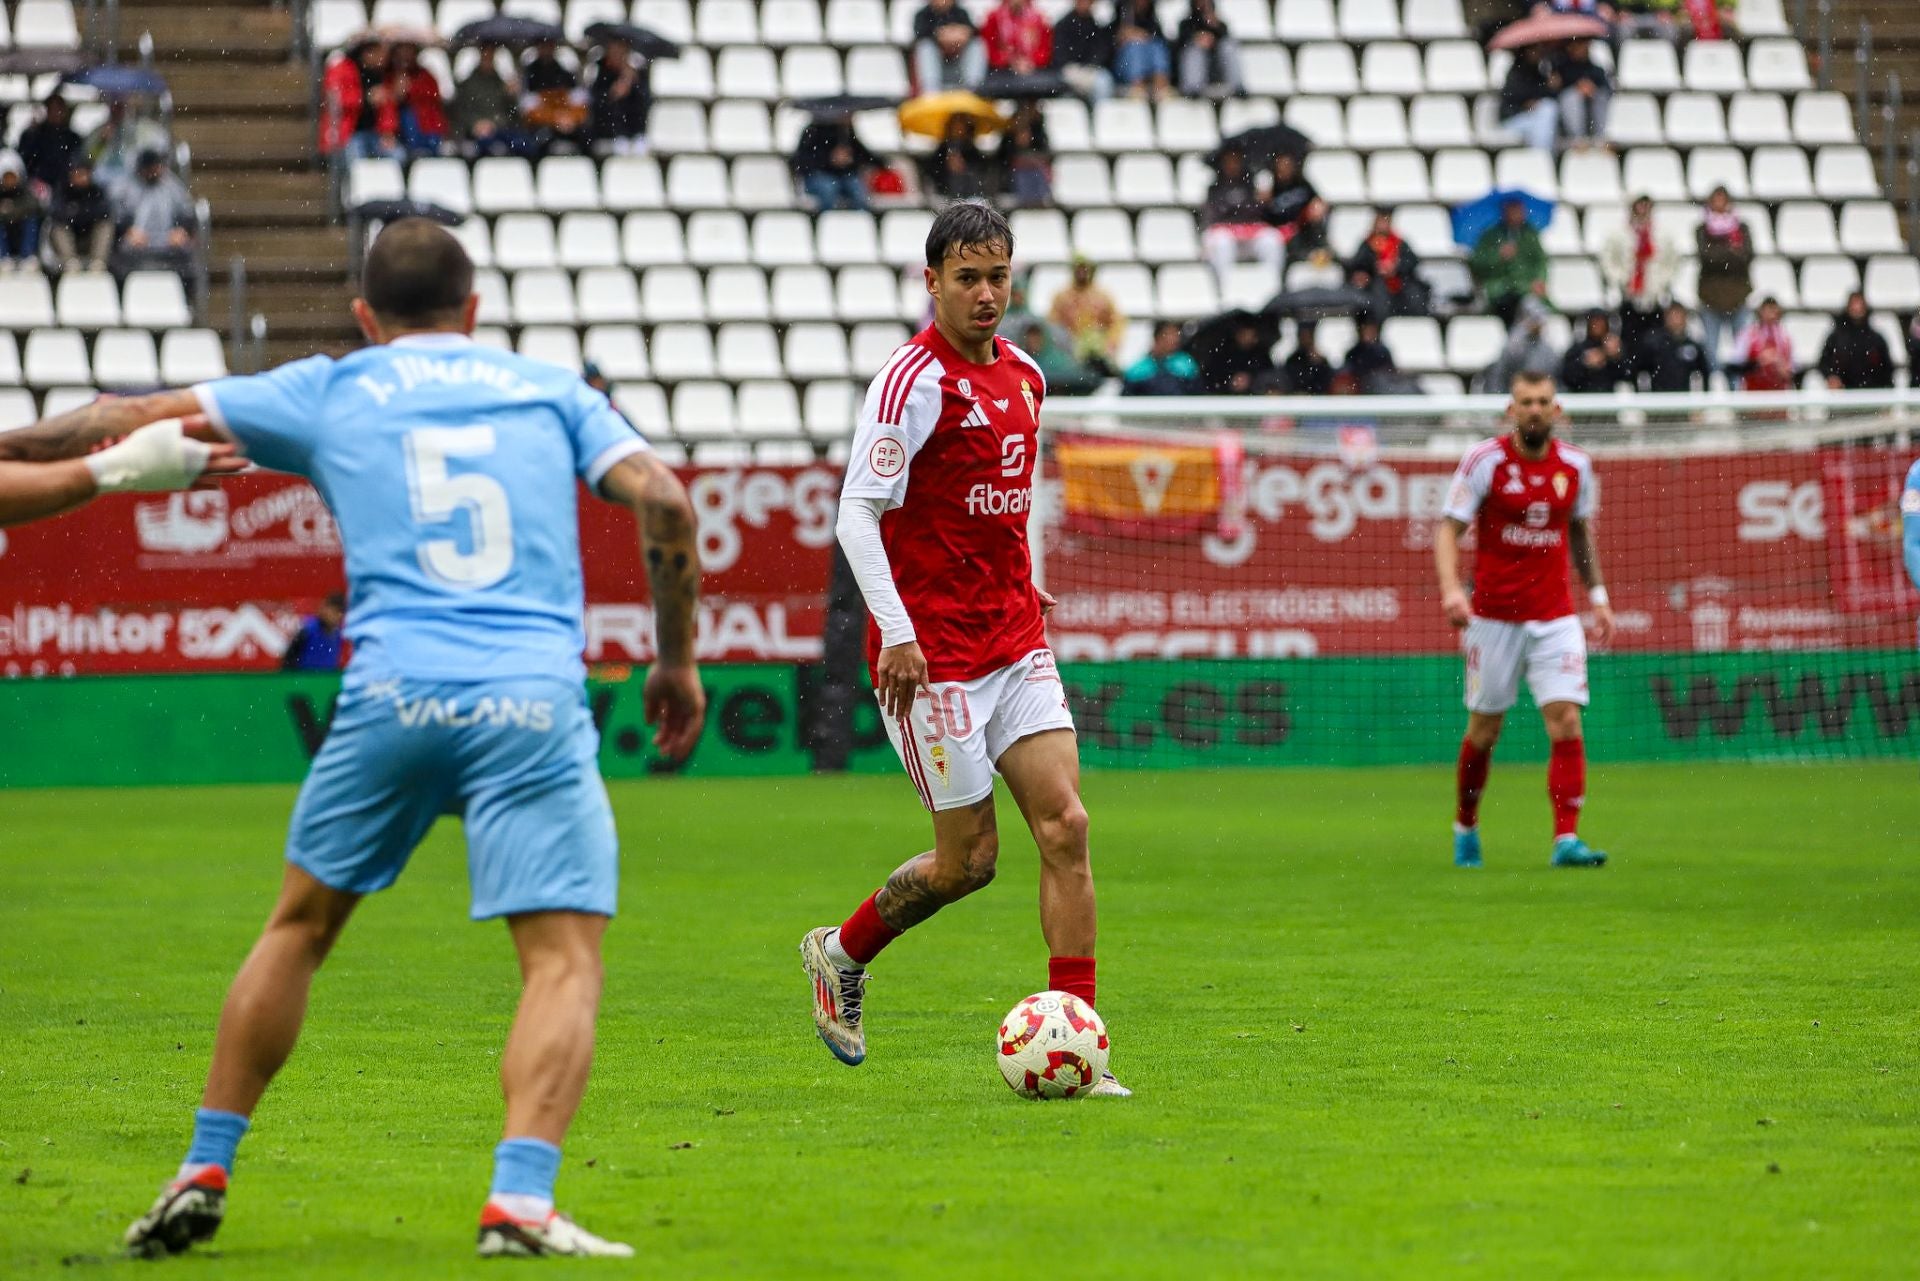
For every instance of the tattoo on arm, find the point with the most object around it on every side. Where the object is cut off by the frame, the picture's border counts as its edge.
(72, 434)
(1585, 558)
(665, 514)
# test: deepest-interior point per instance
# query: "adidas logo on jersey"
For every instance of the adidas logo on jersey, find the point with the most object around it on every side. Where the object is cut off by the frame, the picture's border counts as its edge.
(976, 417)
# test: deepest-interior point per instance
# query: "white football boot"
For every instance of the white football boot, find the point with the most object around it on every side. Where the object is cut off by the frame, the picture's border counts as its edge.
(1108, 1088)
(838, 996)
(188, 1212)
(506, 1235)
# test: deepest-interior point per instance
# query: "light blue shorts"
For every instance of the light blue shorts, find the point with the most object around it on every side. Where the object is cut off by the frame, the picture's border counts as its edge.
(516, 759)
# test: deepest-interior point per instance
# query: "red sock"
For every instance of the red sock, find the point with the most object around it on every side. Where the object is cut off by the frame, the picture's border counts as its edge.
(1470, 780)
(1073, 975)
(863, 934)
(1567, 785)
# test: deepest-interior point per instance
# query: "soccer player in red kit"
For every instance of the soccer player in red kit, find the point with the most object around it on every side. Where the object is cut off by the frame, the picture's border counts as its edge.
(1530, 500)
(933, 519)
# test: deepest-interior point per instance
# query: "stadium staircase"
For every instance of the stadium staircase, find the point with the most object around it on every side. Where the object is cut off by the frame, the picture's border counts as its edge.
(241, 103)
(1895, 50)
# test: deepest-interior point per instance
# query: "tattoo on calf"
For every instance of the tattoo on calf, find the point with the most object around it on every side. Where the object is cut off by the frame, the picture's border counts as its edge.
(907, 899)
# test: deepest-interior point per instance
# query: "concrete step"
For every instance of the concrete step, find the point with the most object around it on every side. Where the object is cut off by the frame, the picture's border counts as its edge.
(209, 88)
(237, 33)
(311, 312)
(229, 141)
(279, 255)
(265, 197)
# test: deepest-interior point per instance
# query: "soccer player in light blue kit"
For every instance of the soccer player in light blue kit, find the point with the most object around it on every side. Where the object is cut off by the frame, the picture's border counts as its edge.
(1910, 523)
(450, 468)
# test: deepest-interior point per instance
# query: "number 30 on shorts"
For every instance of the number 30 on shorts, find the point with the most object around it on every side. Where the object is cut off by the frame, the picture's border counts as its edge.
(948, 715)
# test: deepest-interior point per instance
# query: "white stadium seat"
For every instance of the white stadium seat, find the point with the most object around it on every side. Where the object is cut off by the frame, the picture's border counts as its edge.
(52, 357)
(563, 183)
(543, 298)
(524, 241)
(1648, 66)
(1456, 66)
(1845, 173)
(704, 411)
(1869, 227)
(620, 351)
(1778, 65)
(1298, 20)
(1780, 173)
(648, 238)
(1143, 180)
(672, 294)
(588, 240)
(1695, 119)
(747, 351)
(1758, 119)
(1807, 225)
(154, 300)
(681, 351)
(1893, 283)
(607, 296)
(1826, 281)
(1376, 122)
(802, 293)
(715, 237)
(815, 351)
(631, 182)
(738, 294)
(1714, 66)
(551, 344)
(1392, 67)
(828, 409)
(502, 184)
(125, 359)
(1326, 68)
(87, 300)
(1823, 119)
(783, 238)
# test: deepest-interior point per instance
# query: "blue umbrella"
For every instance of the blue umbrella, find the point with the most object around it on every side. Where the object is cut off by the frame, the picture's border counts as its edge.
(1471, 220)
(119, 80)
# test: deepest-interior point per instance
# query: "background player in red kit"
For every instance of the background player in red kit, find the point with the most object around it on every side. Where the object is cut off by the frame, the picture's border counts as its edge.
(933, 518)
(1531, 500)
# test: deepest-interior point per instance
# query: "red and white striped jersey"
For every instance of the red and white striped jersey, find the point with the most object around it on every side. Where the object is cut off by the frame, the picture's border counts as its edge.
(1520, 509)
(951, 446)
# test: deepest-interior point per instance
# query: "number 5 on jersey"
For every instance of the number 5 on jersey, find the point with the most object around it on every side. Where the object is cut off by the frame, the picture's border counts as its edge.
(438, 496)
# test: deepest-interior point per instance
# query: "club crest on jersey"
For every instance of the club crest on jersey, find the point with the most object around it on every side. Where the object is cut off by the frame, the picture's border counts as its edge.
(1026, 394)
(1560, 483)
(937, 755)
(1516, 483)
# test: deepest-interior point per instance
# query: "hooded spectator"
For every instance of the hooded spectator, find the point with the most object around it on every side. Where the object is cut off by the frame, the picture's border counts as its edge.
(1018, 38)
(1083, 51)
(1725, 249)
(1529, 102)
(1671, 359)
(1165, 370)
(1510, 263)
(1766, 351)
(832, 164)
(1307, 372)
(1856, 357)
(1243, 366)
(49, 146)
(1065, 376)
(1527, 350)
(1235, 223)
(1386, 268)
(155, 215)
(117, 145)
(1371, 368)
(1142, 61)
(485, 114)
(21, 211)
(621, 98)
(1296, 208)
(1207, 54)
(81, 225)
(415, 93)
(947, 53)
(1639, 263)
(1596, 363)
(959, 167)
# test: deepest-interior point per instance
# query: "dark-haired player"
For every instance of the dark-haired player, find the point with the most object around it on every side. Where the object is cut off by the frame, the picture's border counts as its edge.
(933, 519)
(451, 469)
(1530, 500)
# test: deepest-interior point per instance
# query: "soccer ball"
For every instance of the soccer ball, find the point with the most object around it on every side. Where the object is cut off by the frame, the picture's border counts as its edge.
(1052, 1046)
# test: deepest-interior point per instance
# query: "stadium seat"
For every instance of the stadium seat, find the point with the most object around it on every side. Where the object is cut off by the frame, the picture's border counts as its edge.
(1823, 119)
(677, 126)
(1869, 227)
(1456, 66)
(878, 71)
(451, 15)
(1526, 169)
(1808, 332)
(769, 408)
(1185, 124)
(1714, 66)
(1069, 124)
(1635, 121)
(330, 22)
(738, 294)
(1167, 235)
(681, 351)
(1434, 20)
(1778, 66)
(650, 238)
(1826, 281)
(725, 22)
(1364, 20)
(502, 184)
(846, 237)
(853, 22)
(1590, 178)
(1392, 67)
(607, 296)
(565, 183)
(580, 15)
(125, 359)
(548, 11)
(10, 374)
(691, 74)
(1251, 21)
(1192, 176)
(1184, 291)
(417, 14)
(1461, 175)
(745, 351)
(1104, 235)
(524, 241)
(1322, 119)
(1774, 277)
(16, 404)
(1758, 119)
(801, 293)
(715, 237)
(1298, 20)
(815, 351)
(872, 345)
(1807, 225)
(1780, 173)
(87, 300)
(869, 294)
(697, 182)
(1144, 180)
(1474, 343)
(1081, 182)
(704, 411)
(1562, 236)
(828, 409)
(619, 351)
(1247, 285)
(645, 406)
(810, 72)
(631, 182)
(762, 182)
(1574, 284)
(375, 178)
(1695, 120)
(45, 24)
(672, 294)
(1337, 175)
(1655, 172)
(1711, 167)
(543, 298)
(1893, 283)
(1648, 66)
(1416, 343)
(1376, 123)
(491, 288)
(741, 128)
(443, 181)
(1267, 70)
(1122, 124)
(1845, 173)
(53, 357)
(1327, 69)
(1040, 235)
(552, 344)
(1762, 18)
(587, 240)
(1398, 178)
(1440, 120)
(1428, 228)
(784, 237)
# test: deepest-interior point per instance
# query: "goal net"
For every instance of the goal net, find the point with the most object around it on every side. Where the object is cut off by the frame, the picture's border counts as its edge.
(1251, 582)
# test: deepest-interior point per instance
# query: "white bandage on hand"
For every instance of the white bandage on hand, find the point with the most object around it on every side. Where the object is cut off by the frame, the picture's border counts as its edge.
(158, 456)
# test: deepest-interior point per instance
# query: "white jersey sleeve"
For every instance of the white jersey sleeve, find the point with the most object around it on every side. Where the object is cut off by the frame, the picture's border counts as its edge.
(901, 410)
(1586, 501)
(1472, 482)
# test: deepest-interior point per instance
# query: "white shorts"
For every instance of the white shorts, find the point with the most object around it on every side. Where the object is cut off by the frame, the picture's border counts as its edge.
(960, 729)
(1554, 655)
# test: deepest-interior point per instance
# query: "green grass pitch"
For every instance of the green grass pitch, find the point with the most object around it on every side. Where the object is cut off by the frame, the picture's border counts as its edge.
(1351, 1059)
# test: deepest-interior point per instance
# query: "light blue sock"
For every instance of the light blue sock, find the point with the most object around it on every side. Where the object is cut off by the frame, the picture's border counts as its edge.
(216, 1137)
(526, 1167)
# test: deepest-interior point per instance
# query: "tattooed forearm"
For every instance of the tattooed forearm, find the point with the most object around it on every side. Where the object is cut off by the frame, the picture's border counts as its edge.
(1585, 558)
(72, 434)
(667, 547)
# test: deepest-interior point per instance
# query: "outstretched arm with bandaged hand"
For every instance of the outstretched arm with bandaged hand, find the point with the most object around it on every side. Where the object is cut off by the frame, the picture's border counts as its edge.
(159, 456)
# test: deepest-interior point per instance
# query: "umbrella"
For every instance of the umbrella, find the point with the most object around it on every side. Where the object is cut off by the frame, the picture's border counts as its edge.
(1471, 220)
(928, 114)
(1011, 84)
(503, 29)
(1262, 143)
(1216, 333)
(120, 81)
(1319, 303)
(1549, 29)
(36, 62)
(648, 44)
(836, 105)
(384, 211)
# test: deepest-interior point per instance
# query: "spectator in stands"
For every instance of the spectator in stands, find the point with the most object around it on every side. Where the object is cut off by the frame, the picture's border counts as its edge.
(1385, 267)
(1913, 351)
(1026, 159)
(485, 115)
(48, 147)
(1639, 263)
(1510, 263)
(1142, 62)
(1165, 370)
(621, 98)
(1529, 100)
(1371, 369)
(1083, 52)
(1600, 9)
(1725, 249)
(1652, 19)
(1234, 219)
(947, 54)
(1856, 357)
(356, 121)
(319, 645)
(1586, 95)
(1527, 349)
(832, 163)
(1595, 363)
(1207, 54)
(1243, 366)
(555, 105)
(1087, 314)
(1296, 209)
(1671, 359)
(21, 211)
(1065, 376)
(81, 224)
(1766, 351)
(415, 93)
(1018, 38)
(117, 145)
(1307, 372)
(1019, 313)
(959, 167)
(155, 216)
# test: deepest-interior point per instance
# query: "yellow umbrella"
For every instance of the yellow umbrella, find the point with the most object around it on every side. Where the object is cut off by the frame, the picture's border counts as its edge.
(928, 114)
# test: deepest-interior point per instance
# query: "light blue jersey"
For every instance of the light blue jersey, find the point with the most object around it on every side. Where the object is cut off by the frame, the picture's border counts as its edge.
(1910, 523)
(449, 467)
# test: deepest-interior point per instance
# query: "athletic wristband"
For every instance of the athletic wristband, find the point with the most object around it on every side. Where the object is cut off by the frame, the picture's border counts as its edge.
(1598, 596)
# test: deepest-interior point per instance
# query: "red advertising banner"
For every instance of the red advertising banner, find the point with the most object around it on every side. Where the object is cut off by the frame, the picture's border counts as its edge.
(1701, 554)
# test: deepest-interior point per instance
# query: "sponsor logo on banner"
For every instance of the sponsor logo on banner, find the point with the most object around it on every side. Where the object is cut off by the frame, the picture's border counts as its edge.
(724, 501)
(203, 530)
(61, 631)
